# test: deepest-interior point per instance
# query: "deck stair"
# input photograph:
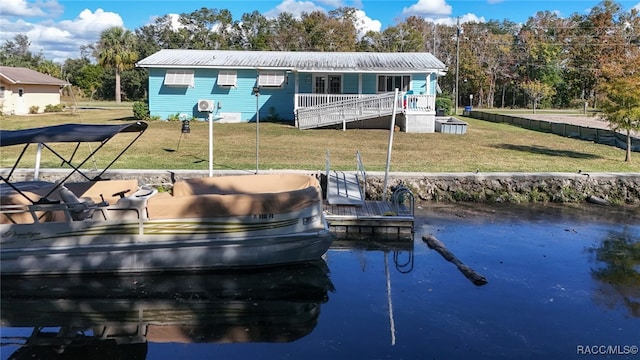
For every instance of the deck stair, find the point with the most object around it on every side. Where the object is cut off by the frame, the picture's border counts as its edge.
(342, 112)
(343, 188)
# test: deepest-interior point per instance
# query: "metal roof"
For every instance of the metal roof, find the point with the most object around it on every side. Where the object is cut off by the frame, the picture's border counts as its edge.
(21, 75)
(295, 61)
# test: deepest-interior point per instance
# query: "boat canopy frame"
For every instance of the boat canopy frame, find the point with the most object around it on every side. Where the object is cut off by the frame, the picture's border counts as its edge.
(66, 133)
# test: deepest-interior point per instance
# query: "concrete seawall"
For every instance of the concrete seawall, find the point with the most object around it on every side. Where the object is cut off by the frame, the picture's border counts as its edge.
(615, 188)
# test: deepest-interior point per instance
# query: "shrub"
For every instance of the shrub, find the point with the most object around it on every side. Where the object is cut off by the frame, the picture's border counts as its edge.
(445, 104)
(174, 117)
(34, 109)
(53, 108)
(140, 110)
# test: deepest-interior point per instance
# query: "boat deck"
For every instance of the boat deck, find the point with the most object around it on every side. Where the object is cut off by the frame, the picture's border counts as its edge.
(372, 218)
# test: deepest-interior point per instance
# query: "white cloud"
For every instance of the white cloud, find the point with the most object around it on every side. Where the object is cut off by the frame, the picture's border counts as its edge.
(637, 7)
(89, 24)
(56, 41)
(295, 8)
(365, 23)
(20, 8)
(428, 8)
(451, 21)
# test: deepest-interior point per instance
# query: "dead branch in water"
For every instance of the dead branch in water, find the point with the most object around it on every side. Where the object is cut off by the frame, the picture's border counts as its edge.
(468, 272)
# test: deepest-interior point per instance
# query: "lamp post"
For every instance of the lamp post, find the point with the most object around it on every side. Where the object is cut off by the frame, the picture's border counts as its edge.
(256, 92)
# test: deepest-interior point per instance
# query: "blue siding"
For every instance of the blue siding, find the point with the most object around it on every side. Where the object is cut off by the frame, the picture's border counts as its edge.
(369, 83)
(350, 83)
(165, 101)
(305, 83)
(419, 84)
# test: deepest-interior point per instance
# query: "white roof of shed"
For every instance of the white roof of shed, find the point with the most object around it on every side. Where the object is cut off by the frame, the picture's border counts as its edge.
(295, 61)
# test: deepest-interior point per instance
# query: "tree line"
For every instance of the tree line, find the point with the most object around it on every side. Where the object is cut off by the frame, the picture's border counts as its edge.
(548, 61)
(500, 63)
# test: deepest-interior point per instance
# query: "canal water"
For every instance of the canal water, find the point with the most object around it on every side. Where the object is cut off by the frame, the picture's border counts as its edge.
(562, 283)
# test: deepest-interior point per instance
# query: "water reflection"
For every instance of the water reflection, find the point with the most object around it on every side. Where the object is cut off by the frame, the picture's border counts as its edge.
(117, 316)
(618, 271)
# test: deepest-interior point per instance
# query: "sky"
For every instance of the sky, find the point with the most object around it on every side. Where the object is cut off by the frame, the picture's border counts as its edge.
(57, 28)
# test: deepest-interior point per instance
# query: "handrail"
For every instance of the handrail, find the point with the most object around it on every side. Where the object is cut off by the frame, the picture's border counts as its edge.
(327, 167)
(331, 109)
(399, 196)
(361, 175)
(344, 111)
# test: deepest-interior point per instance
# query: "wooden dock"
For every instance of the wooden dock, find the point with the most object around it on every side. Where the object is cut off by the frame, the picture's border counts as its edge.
(351, 216)
(372, 218)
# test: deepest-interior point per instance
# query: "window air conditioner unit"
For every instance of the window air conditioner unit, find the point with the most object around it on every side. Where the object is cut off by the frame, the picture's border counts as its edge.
(205, 105)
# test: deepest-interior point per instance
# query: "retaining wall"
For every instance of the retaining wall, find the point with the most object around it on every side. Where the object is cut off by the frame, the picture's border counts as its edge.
(617, 188)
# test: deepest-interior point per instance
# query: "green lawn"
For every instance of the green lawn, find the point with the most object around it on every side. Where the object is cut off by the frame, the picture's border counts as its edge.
(486, 147)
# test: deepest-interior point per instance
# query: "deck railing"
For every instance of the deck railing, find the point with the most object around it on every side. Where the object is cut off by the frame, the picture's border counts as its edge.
(347, 108)
(312, 100)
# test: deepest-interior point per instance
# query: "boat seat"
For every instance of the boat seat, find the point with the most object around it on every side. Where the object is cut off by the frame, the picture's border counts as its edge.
(79, 208)
(163, 206)
(242, 184)
(15, 208)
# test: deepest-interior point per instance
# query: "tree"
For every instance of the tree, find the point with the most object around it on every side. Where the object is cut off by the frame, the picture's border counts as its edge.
(287, 33)
(621, 104)
(537, 91)
(207, 29)
(116, 50)
(252, 32)
(16, 53)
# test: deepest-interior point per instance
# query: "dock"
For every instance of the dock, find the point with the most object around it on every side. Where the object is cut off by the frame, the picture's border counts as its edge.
(350, 215)
(378, 219)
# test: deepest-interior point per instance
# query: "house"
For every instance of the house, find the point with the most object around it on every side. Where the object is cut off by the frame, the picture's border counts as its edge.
(310, 89)
(22, 90)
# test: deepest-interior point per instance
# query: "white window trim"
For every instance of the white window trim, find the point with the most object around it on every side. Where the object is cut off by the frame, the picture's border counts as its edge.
(179, 77)
(227, 77)
(271, 78)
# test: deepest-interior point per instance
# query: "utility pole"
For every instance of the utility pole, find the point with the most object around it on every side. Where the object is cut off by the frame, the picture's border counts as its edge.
(435, 29)
(457, 60)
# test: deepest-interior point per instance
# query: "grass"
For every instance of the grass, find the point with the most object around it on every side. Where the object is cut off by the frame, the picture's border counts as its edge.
(486, 147)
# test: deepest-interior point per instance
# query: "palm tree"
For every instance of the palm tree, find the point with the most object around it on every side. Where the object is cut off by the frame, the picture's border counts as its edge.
(116, 50)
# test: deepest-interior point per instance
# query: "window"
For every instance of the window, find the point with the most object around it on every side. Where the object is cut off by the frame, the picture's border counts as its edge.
(178, 77)
(327, 84)
(388, 83)
(227, 78)
(2, 89)
(271, 78)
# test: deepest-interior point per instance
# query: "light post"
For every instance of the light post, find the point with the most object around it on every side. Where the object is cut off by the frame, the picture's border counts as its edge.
(256, 92)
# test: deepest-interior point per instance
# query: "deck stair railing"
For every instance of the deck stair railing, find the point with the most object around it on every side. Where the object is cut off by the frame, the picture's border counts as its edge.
(344, 111)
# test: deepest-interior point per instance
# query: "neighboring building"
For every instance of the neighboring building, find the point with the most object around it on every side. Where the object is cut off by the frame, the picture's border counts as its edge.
(312, 89)
(22, 88)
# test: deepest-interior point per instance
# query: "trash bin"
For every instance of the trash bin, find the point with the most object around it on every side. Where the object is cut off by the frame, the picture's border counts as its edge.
(467, 110)
(439, 112)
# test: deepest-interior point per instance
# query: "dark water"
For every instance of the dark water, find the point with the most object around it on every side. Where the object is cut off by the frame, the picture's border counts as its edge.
(562, 283)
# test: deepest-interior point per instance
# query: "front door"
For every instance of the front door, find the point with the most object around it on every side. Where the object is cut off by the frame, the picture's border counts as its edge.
(327, 84)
